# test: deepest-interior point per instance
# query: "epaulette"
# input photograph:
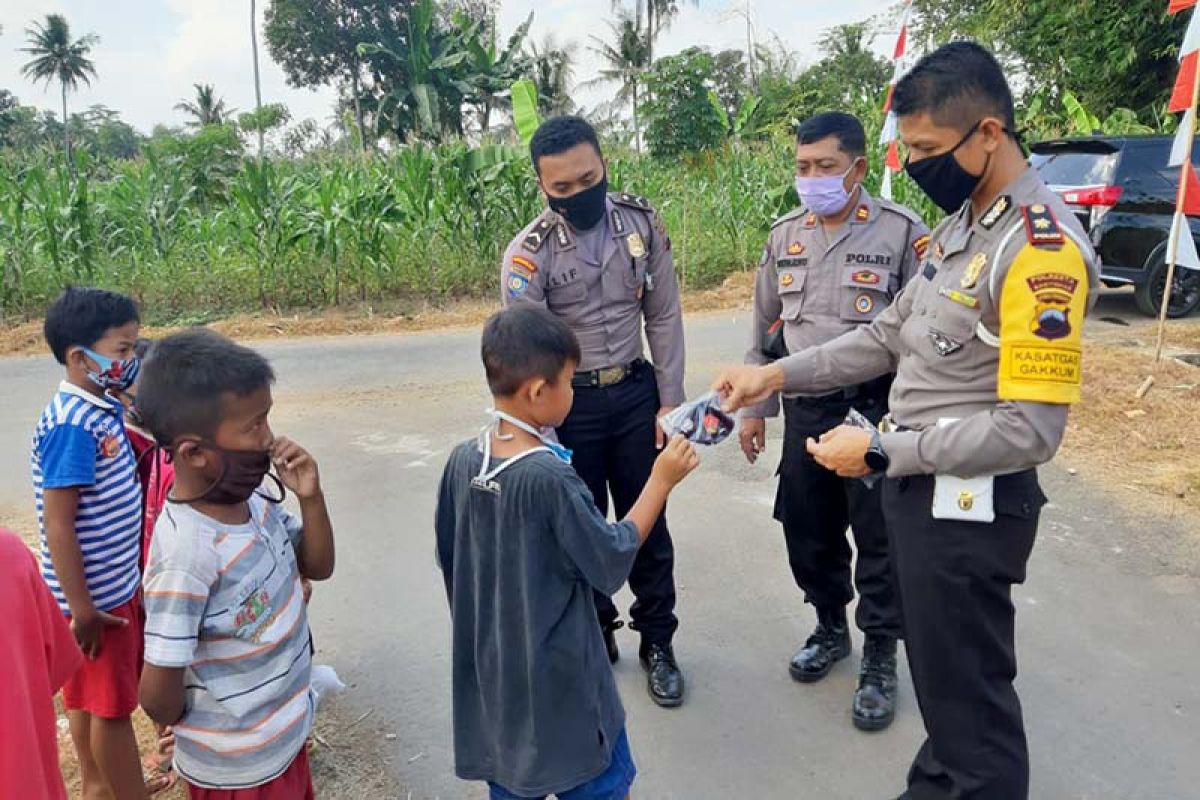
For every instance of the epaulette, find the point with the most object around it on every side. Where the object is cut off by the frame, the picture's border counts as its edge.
(896, 208)
(631, 200)
(795, 213)
(539, 234)
(1041, 227)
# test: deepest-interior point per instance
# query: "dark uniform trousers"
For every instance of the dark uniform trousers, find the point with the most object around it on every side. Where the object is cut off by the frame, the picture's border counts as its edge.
(814, 506)
(956, 586)
(611, 432)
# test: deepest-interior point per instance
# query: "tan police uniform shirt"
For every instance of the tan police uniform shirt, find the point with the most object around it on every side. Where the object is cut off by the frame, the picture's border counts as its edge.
(989, 334)
(823, 284)
(606, 305)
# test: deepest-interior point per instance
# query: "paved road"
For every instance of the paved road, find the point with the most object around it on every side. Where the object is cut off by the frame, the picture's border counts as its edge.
(1109, 629)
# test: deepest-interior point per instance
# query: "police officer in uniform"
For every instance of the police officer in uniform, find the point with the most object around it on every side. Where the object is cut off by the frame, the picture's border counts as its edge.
(602, 262)
(830, 266)
(986, 345)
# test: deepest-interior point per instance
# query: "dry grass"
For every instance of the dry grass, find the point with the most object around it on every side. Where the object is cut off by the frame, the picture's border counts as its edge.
(1146, 444)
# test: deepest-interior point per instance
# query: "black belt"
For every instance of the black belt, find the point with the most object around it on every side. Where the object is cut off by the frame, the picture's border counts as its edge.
(606, 376)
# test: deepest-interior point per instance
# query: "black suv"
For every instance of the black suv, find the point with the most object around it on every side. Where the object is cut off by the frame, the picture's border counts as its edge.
(1123, 192)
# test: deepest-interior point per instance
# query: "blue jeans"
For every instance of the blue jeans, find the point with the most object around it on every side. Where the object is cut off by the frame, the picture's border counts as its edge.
(612, 784)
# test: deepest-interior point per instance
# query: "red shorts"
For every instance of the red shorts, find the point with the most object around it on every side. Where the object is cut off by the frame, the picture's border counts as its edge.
(294, 784)
(108, 686)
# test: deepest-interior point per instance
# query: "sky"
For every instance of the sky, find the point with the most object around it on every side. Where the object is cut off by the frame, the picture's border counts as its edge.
(151, 52)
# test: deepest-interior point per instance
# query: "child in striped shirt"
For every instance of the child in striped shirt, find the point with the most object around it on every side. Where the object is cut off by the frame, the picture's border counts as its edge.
(228, 662)
(89, 507)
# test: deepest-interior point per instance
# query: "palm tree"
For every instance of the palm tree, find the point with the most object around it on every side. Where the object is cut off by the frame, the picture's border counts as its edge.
(553, 68)
(57, 56)
(257, 84)
(208, 109)
(659, 14)
(625, 59)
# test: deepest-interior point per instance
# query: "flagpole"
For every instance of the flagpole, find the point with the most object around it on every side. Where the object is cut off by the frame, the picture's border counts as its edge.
(1180, 205)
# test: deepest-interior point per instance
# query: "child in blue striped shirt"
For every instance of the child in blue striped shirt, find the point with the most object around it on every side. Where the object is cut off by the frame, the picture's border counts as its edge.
(89, 505)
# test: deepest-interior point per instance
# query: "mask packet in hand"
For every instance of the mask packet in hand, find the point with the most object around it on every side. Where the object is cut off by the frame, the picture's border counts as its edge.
(701, 421)
(855, 419)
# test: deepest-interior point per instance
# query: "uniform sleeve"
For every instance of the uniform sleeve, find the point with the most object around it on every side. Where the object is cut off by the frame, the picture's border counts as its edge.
(914, 253)
(767, 309)
(664, 318)
(1042, 303)
(601, 551)
(68, 457)
(182, 570)
(522, 279)
(860, 355)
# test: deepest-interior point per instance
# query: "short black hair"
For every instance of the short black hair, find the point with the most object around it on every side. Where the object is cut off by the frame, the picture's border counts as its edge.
(81, 316)
(558, 135)
(846, 128)
(182, 384)
(957, 85)
(523, 342)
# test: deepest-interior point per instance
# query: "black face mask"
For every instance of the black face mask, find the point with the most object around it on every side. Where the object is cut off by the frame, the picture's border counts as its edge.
(943, 178)
(242, 472)
(584, 209)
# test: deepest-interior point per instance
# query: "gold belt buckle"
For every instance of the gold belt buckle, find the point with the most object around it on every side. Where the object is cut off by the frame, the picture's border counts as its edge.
(610, 375)
(887, 424)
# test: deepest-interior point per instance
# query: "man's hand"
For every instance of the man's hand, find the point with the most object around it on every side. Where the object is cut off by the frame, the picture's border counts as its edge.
(660, 436)
(745, 385)
(752, 435)
(296, 468)
(89, 627)
(843, 450)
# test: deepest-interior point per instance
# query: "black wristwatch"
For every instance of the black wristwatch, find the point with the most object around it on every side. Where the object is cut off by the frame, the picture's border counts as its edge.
(876, 459)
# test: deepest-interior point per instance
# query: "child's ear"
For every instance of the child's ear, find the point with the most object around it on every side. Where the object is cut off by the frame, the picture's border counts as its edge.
(537, 389)
(190, 452)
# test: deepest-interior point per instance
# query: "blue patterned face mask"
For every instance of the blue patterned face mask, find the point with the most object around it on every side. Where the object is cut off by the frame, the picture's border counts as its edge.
(114, 373)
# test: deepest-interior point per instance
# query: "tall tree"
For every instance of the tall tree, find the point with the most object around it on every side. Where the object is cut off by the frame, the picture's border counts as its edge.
(257, 82)
(625, 59)
(316, 43)
(57, 56)
(659, 14)
(1109, 55)
(553, 67)
(207, 108)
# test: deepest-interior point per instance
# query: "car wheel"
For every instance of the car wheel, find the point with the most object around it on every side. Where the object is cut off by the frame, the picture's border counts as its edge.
(1185, 294)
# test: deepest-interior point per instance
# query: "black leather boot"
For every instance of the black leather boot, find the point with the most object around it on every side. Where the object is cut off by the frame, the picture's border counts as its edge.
(829, 643)
(875, 701)
(664, 681)
(609, 629)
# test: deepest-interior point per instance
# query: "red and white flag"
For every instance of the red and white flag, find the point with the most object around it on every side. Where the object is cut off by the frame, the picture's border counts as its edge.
(1183, 98)
(887, 136)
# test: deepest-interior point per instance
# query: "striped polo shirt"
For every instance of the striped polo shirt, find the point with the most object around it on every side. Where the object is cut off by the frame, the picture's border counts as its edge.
(225, 602)
(80, 442)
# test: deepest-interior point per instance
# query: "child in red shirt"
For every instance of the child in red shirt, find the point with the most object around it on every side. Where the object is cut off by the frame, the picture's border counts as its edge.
(40, 655)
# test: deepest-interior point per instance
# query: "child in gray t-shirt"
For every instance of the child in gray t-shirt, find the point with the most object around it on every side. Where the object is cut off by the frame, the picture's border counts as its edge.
(522, 547)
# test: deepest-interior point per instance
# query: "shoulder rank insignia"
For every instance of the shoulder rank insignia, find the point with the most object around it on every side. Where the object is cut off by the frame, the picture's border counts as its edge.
(1040, 226)
(537, 237)
(921, 246)
(626, 199)
(560, 231)
(863, 214)
(810, 221)
(637, 248)
(996, 212)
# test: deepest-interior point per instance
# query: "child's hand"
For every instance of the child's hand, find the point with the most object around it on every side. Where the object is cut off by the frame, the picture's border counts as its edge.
(677, 459)
(89, 629)
(296, 468)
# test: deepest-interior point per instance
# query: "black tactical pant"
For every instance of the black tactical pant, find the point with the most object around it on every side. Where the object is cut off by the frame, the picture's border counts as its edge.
(956, 584)
(815, 506)
(611, 431)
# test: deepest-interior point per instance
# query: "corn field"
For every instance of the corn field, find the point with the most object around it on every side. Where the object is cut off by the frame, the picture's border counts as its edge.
(196, 239)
